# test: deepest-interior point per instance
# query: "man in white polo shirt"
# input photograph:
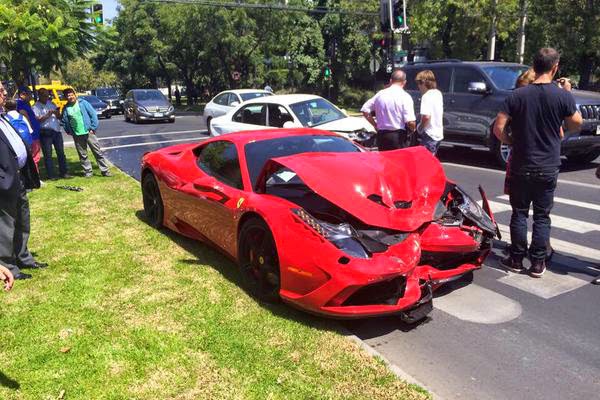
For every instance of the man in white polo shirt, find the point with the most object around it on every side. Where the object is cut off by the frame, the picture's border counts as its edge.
(394, 111)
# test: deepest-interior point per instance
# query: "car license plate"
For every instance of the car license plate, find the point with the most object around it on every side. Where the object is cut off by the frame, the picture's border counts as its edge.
(598, 130)
(158, 114)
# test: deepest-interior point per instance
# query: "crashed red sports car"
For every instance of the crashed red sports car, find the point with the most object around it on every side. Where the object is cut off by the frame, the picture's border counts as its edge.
(319, 222)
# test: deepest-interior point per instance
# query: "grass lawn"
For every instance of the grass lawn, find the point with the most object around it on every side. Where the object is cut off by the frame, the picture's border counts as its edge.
(128, 312)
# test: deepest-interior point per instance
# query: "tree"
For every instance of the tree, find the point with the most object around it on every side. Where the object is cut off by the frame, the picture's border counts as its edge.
(80, 74)
(42, 35)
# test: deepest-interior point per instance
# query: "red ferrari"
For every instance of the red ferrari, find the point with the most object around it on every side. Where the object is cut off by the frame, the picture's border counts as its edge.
(319, 222)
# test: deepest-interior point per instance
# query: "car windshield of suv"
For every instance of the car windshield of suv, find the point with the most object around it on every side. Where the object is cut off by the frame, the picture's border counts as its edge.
(253, 95)
(92, 99)
(107, 92)
(504, 77)
(149, 95)
(257, 153)
(316, 112)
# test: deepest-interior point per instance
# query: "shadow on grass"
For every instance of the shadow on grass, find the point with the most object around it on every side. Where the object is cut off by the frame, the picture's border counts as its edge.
(206, 255)
(8, 382)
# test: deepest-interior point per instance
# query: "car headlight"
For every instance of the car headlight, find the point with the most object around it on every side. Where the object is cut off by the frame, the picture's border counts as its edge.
(341, 236)
(121, 102)
(473, 211)
(171, 109)
(142, 108)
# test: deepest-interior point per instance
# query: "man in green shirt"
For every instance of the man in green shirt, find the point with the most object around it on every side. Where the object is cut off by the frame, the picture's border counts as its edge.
(80, 121)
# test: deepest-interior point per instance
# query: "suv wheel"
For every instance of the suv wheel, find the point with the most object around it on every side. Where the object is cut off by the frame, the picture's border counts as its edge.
(501, 152)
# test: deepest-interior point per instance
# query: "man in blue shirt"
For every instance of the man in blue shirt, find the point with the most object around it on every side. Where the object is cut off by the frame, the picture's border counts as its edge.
(536, 113)
(24, 97)
(81, 121)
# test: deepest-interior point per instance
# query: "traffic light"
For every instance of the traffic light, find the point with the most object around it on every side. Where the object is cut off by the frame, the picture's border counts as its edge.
(327, 72)
(399, 14)
(394, 18)
(97, 14)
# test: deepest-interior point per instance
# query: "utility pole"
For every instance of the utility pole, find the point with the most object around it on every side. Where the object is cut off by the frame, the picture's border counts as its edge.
(521, 34)
(492, 35)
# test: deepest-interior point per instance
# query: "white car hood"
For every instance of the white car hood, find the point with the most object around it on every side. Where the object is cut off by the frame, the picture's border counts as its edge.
(347, 125)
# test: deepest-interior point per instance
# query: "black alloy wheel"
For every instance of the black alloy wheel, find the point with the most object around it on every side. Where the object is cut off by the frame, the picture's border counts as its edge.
(258, 261)
(126, 115)
(208, 120)
(500, 151)
(153, 205)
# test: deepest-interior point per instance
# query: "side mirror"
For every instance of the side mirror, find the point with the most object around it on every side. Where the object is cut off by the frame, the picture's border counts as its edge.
(290, 124)
(234, 103)
(477, 88)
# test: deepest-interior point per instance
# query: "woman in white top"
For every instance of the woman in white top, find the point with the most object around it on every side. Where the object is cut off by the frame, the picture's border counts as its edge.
(430, 128)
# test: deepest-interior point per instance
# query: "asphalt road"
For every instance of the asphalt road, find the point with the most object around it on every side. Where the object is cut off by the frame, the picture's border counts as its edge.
(504, 336)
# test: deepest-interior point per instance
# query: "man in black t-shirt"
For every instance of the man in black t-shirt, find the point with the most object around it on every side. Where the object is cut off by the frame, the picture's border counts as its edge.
(536, 113)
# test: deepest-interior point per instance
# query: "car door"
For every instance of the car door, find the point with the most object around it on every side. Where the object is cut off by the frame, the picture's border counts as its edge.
(215, 193)
(470, 111)
(248, 117)
(220, 105)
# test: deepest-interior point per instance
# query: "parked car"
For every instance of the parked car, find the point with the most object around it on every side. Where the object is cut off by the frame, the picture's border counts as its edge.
(293, 111)
(226, 101)
(110, 96)
(101, 107)
(473, 93)
(147, 105)
(390, 230)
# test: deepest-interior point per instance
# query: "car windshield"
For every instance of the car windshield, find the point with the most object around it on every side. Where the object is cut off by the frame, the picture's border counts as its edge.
(107, 92)
(257, 153)
(504, 77)
(148, 95)
(316, 112)
(91, 99)
(253, 95)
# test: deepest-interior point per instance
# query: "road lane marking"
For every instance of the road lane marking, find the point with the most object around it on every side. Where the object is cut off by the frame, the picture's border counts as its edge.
(562, 246)
(550, 285)
(560, 222)
(149, 143)
(477, 304)
(148, 134)
(581, 204)
(495, 171)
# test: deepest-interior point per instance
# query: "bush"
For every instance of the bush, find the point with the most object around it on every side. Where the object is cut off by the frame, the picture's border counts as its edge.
(354, 98)
(276, 78)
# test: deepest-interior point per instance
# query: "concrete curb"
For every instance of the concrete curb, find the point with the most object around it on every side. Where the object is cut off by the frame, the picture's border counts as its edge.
(399, 372)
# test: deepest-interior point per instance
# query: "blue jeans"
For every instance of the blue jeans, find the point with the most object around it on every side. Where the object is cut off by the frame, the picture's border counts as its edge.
(49, 138)
(430, 144)
(527, 188)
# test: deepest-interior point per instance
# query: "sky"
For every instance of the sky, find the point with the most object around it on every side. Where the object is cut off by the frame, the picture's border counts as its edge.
(110, 8)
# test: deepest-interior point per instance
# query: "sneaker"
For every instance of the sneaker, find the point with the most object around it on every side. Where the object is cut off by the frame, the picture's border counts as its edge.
(512, 265)
(88, 175)
(538, 267)
(596, 281)
(107, 174)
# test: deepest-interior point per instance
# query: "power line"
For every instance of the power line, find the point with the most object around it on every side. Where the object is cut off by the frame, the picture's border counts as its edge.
(270, 7)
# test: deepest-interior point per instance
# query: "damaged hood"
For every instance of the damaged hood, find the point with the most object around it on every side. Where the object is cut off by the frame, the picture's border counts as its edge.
(396, 190)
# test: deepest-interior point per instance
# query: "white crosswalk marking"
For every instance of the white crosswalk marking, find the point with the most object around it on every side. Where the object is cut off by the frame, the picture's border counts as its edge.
(560, 222)
(560, 246)
(580, 204)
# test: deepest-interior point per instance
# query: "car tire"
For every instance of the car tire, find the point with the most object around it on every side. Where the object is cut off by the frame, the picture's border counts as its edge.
(258, 260)
(208, 120)
(584, 158)
(126, 115)
(153, 204)
(108, 116)
(500, 151)
(171, 120)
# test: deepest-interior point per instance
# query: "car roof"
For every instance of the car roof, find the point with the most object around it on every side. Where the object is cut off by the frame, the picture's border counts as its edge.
(453, 63)
(240, 91)
(145, 90)
(284, 99)
(242, 138)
